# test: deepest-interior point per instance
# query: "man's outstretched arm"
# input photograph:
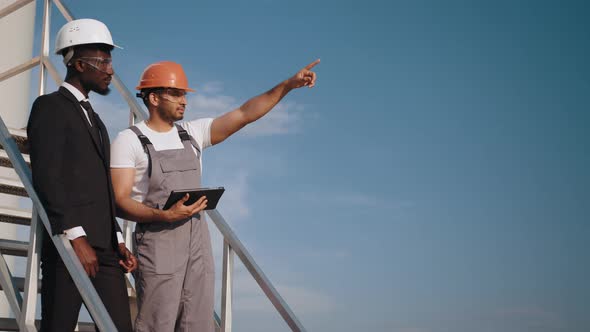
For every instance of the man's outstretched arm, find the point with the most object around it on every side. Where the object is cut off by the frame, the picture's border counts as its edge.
(255, 108)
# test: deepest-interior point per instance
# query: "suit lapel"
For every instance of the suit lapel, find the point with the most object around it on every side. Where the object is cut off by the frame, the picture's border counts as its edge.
(82, 117)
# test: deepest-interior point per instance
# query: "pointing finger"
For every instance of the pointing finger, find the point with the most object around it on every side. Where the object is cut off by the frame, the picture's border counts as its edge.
(311, 65)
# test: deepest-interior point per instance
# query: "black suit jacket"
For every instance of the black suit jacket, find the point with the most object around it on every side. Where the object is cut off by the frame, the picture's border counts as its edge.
(71, 171)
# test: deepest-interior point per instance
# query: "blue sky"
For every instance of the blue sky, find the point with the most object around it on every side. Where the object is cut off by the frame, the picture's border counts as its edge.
(435, 179)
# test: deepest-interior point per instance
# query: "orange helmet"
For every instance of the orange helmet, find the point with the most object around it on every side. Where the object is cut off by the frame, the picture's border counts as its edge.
(164, 74)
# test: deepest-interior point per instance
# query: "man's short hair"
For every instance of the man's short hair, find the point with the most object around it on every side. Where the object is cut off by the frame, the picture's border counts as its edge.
(145, 95)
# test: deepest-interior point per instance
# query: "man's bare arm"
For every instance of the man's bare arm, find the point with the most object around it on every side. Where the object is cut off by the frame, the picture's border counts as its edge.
(255, 108)
(130, 209)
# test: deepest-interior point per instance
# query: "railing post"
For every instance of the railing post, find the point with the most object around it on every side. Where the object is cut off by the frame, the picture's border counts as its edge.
(44, 45)
(27, 319)
(227, 287)
(271, 293)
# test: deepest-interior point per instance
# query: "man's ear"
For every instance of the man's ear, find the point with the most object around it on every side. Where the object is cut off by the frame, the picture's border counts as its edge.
(153, 99)
(79, 66)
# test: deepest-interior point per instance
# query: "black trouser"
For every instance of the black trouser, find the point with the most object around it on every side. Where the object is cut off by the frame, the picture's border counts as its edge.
(61, 301)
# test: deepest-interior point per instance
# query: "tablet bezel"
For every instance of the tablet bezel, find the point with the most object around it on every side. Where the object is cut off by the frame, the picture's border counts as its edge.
(213, 195)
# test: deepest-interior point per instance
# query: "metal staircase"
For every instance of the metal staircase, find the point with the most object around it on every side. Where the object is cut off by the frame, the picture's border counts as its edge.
(15, 181)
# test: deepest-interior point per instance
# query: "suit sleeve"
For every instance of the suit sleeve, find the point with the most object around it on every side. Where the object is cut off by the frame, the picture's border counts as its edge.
(46, 132)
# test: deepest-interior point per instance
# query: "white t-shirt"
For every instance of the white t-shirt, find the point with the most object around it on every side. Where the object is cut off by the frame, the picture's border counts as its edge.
(127, 152)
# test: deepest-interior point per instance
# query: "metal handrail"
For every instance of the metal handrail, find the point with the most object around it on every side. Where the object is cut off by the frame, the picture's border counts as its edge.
(233, 244)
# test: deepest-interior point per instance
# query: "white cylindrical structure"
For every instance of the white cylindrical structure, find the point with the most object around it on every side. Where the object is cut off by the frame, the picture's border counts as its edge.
(16, 41)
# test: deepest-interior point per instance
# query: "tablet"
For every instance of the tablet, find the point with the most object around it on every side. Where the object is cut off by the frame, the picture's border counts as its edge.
(213, 195)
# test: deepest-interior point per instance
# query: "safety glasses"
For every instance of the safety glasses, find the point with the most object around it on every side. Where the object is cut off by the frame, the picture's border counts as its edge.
(102, 64)
(174, 95)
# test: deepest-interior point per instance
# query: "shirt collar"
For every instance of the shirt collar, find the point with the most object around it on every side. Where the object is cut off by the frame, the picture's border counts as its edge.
(77, 93)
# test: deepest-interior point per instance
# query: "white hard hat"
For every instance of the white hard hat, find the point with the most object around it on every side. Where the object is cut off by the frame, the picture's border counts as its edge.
(82, 31)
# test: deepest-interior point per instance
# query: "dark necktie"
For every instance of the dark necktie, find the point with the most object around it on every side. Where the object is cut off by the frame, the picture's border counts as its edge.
(89, 110)
(94, 127)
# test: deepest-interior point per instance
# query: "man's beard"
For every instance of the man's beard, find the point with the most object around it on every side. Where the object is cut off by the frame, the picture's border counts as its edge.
(98, 88)
(102, 92)
(168, 116)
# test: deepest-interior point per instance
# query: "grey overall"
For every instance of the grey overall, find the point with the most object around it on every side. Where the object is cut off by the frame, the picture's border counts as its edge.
(175, 278)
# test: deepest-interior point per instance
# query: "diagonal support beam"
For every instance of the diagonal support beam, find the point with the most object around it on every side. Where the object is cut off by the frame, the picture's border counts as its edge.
(52, 71)
(20, 68)
(13, 7)
(67, 14)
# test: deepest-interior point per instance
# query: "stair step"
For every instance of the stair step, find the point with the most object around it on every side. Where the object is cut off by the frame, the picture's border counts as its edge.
(15, 216)
(5, 161)
(9, 324)
(20, 284)
(11, 184)
(20, 137)
(14, 248)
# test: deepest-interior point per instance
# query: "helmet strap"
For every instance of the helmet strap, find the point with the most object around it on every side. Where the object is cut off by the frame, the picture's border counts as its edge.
(68, 56)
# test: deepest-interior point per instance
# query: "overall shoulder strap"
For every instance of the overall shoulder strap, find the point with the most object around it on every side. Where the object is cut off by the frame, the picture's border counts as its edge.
(144, 142)
(184, 136)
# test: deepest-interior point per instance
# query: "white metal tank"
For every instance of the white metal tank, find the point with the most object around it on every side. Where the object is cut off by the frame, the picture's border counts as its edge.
(16, 42)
